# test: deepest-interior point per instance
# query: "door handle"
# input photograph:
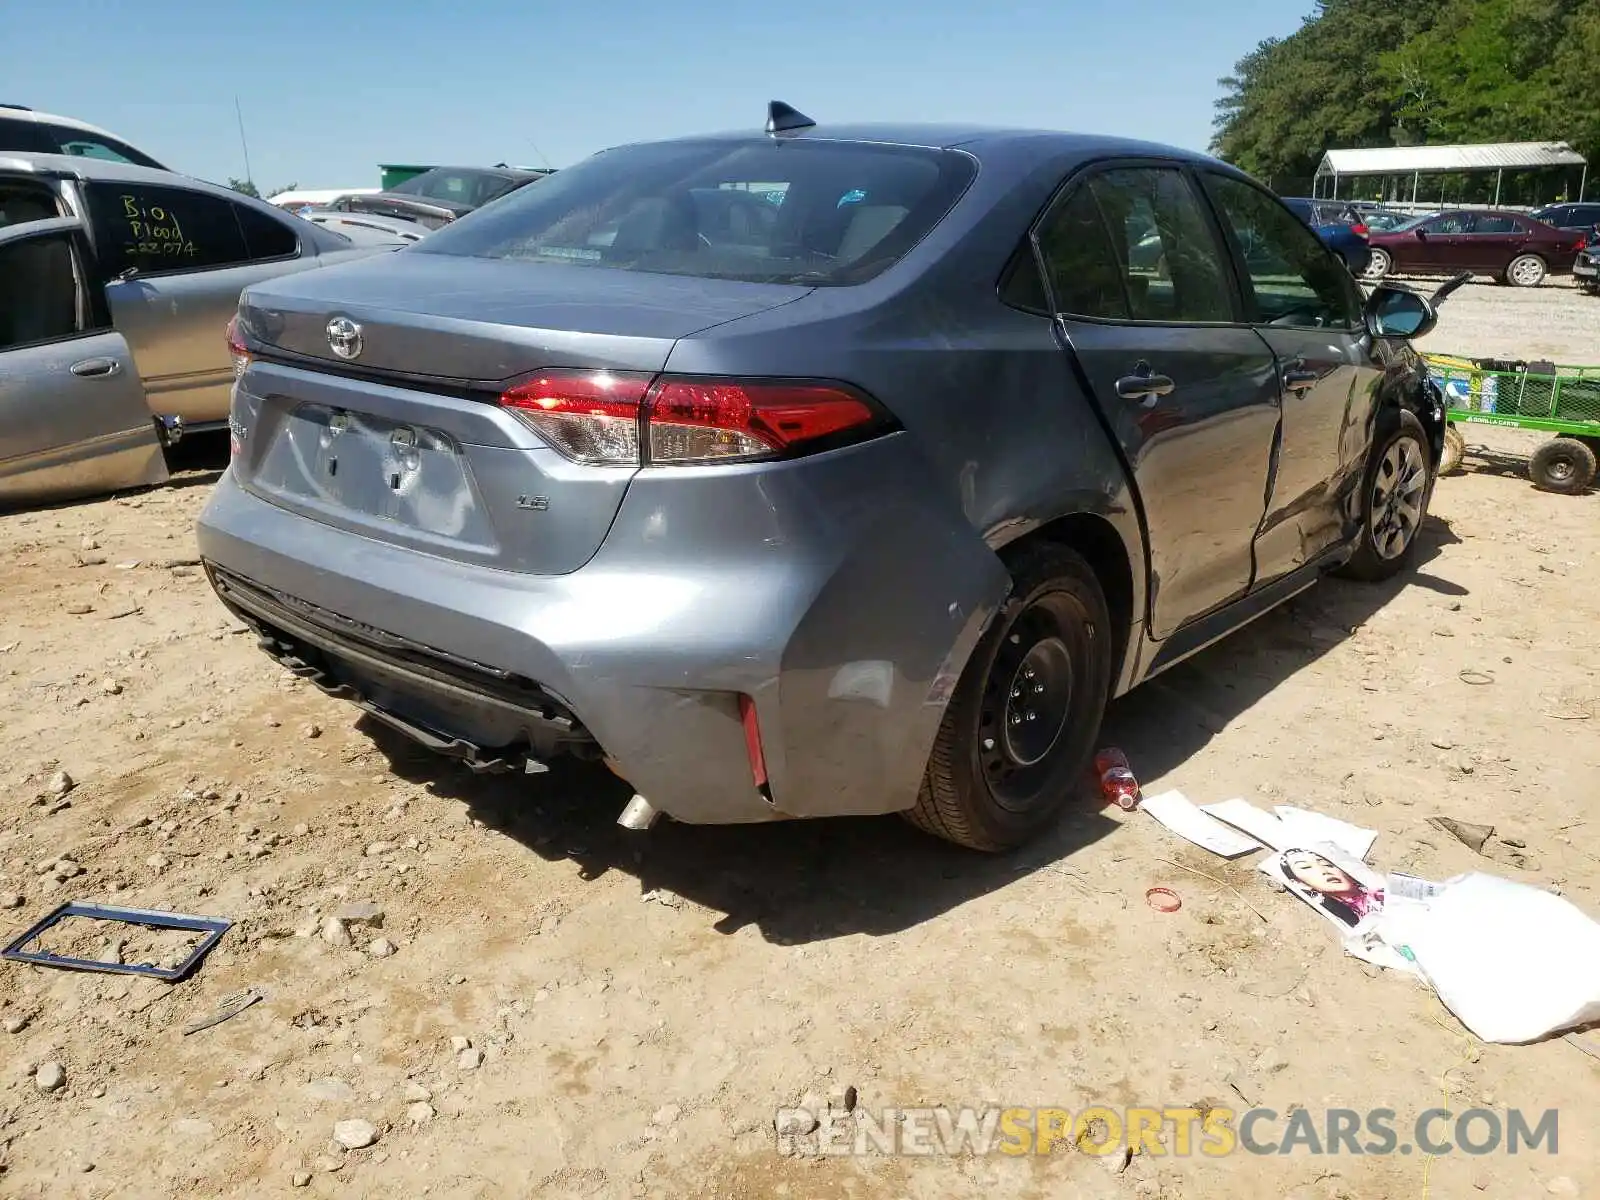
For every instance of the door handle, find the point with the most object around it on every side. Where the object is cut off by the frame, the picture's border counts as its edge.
(1143, 384)
(96, 368)
(1297, 377)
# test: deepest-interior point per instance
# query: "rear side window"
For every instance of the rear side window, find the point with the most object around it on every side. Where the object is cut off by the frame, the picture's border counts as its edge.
(161, 229)
(1173, 267)
(1495, 223)
(265, 236)
(817, 213)
(1083, 267)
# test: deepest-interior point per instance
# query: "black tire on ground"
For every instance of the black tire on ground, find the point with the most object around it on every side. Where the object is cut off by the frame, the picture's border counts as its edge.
(1395, 490)
(1455, 450)
(1020, 729)
(1562, 465)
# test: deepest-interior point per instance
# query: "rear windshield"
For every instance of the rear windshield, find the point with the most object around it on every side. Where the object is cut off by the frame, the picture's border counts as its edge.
(801, 211)
(472, 188)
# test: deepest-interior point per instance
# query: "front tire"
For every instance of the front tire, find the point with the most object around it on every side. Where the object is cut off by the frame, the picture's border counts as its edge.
(1395, 490)
(1455, 451)
(1379, 264)
(1526, 270)
(1021, 727)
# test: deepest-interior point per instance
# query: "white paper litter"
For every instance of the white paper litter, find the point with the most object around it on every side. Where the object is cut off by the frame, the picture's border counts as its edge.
(1513, 963)
(1179, 814)
(1287, 827)
(1243, 815)
(1411, 889)
(1305, 827)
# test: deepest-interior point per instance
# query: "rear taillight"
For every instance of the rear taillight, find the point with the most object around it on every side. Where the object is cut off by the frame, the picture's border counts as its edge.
(1359, 229)
(707, 420)
(241, 360)
(618, 419)
(236, 348)
(591, 417)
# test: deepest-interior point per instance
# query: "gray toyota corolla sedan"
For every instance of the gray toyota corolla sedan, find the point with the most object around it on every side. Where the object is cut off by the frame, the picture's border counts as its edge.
(814, 471)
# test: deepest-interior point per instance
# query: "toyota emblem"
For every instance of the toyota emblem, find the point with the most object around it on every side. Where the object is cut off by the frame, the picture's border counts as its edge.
(344, 337)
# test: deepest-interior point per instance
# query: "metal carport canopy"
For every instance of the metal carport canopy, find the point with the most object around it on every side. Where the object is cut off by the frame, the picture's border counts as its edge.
(1403, 160)
(1416, 161)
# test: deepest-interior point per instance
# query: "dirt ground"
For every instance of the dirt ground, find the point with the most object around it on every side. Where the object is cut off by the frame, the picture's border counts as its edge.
(638, 1005)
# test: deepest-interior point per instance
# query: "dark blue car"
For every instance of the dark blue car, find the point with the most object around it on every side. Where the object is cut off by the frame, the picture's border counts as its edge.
(1341, 231)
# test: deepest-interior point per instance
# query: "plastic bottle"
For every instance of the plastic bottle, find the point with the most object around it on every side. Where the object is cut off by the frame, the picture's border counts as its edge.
(1117, 782)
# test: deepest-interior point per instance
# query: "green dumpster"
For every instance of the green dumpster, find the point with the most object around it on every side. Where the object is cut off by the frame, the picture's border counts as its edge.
(392, 174)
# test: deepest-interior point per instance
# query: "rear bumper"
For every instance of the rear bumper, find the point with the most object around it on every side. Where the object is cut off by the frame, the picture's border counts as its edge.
(841, 593)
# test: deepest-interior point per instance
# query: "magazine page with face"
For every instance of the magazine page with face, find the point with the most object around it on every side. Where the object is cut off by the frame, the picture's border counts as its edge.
(1338, 885)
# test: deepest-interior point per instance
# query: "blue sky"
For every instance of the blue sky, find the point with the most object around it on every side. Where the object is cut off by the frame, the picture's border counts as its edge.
(329, 90)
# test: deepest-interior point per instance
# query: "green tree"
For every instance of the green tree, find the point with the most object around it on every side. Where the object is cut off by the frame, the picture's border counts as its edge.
(247, 188)
(1363, 73)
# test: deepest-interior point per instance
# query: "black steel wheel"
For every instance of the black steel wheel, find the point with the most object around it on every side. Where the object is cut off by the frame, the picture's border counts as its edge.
(1021, 726)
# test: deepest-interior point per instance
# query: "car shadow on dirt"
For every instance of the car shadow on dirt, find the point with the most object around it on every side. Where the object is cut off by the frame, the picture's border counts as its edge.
(1167, 720)
(804, 881)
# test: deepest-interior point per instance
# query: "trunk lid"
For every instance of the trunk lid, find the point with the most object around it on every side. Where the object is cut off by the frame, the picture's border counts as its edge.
(404, 442)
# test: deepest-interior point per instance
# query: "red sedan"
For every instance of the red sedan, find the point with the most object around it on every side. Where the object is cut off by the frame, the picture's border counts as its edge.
(1514, 248)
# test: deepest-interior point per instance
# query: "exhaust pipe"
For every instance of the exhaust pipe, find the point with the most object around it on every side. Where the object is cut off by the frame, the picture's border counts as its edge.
(639, 814)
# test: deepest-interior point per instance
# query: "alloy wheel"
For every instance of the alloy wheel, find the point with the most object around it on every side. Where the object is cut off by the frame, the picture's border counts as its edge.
(1527, 271)
(1397, 496)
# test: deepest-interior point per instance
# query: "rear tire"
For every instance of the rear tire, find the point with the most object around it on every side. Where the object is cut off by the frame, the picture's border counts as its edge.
(1395, 490)
(1563, 465)
(1021, 727)
(1455, 450)
(1526, 270)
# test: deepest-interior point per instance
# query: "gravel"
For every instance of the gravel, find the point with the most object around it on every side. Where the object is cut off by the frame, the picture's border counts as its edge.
(1485, 320)
(355, 1134)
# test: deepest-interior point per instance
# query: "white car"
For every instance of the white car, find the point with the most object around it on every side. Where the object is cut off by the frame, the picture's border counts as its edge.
(302, 198)
(364, 229)
(44, 133)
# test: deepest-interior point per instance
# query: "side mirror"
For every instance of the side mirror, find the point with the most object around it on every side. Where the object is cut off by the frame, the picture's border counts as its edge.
(1393, 312)
(1420, 234)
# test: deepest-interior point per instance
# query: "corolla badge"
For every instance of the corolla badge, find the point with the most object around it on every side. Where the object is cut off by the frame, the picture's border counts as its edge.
(344, 337)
